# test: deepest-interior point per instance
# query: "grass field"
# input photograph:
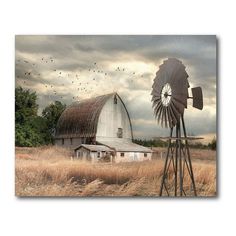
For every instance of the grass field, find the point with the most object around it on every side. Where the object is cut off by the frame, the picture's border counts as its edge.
(50, 171)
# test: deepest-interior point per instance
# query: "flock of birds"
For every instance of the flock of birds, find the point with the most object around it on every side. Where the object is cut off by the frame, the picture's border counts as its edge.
(32, 70)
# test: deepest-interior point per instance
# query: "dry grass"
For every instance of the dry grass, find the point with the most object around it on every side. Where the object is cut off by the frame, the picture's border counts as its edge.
(49, 171)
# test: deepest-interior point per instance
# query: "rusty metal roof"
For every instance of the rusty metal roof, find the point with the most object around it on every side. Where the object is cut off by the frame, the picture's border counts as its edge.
(94, 148)
(121, 145)
(80, 119)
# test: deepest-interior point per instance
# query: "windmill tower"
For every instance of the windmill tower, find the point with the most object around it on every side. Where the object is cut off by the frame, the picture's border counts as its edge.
(169, 97)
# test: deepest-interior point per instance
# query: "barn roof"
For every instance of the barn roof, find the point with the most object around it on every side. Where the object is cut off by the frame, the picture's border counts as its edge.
(94, 148)
(81, 118)
(122, 145)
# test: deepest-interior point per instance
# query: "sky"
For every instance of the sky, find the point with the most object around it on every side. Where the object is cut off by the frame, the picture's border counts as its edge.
(72, 68)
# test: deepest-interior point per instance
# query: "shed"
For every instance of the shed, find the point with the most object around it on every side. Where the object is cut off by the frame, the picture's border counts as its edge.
(93, 153)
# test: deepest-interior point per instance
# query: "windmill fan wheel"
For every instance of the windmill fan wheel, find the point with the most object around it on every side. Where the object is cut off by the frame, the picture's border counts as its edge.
(170, 92)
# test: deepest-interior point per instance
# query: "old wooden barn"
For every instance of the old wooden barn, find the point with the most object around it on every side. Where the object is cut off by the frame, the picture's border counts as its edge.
(100, 127)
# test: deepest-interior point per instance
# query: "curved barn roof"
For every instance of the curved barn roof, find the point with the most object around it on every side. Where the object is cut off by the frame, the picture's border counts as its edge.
(81, 118)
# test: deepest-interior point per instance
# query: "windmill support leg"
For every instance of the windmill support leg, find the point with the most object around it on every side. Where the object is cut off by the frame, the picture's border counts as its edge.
(180, 165)
(176, 159)
(166, 162)
(189, 158)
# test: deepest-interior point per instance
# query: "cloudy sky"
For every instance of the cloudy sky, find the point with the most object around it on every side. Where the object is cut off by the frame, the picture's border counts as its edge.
(71, 68)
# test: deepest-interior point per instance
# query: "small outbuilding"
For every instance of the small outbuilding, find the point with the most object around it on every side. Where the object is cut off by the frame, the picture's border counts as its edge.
(94, 153)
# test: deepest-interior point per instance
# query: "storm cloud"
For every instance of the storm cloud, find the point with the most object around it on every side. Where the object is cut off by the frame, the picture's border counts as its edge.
(70, 68)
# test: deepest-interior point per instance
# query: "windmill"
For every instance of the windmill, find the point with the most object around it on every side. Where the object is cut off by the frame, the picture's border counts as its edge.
(169, 97)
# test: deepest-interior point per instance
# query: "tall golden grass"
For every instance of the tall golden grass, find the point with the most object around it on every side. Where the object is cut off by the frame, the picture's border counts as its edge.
(50, 171)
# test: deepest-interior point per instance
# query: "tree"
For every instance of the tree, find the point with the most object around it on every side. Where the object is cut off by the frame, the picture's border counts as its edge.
(25, 105)
(30, 129)
(212, 145)
(51, 114)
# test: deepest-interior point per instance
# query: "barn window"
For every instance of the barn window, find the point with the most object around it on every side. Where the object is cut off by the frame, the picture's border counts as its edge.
(71, 141)
(115, 100)
(122, 154)
(120, 133)
(62, 141)
(145, 154)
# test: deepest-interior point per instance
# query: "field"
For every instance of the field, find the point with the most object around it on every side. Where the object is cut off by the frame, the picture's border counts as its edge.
(50, 171)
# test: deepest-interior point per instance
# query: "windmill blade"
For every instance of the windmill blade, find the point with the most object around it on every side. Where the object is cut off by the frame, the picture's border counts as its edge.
(197, 98)
(178, 108)
(174, 117)
(157, 108)
(166, 117)
(159, 114)
(170, 120)
(163, 116)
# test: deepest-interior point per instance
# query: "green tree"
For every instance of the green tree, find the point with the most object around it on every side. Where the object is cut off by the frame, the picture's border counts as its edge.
(213, 144)
(30, 129)
(25, 105)
(51, 114)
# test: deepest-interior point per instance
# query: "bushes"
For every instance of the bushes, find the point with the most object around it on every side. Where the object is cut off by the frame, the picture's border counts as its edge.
(212, 145)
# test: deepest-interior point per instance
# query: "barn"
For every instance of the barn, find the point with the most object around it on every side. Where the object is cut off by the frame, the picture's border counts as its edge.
(96, 124)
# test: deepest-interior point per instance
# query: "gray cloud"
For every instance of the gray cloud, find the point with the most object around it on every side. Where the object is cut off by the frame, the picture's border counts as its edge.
(88, 66)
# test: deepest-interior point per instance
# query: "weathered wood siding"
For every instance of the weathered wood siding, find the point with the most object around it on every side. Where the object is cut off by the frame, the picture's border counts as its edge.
(67, 142)
(132, 156)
